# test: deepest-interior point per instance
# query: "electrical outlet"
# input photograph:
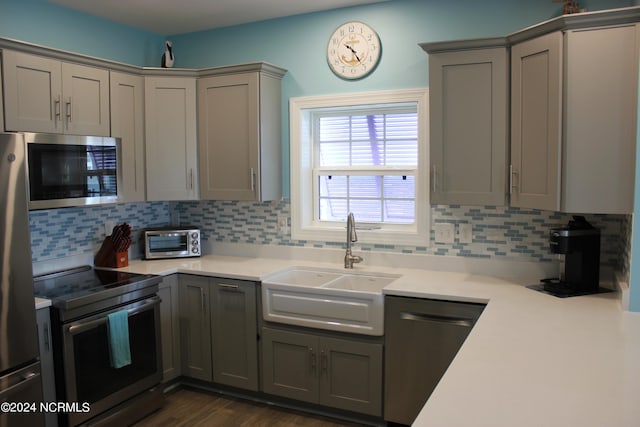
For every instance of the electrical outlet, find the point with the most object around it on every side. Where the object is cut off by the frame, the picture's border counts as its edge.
(465, 233)
(283, 224)
(444, 232)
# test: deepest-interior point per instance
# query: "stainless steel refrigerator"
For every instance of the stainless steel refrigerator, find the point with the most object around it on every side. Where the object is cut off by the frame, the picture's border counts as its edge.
(20, 381)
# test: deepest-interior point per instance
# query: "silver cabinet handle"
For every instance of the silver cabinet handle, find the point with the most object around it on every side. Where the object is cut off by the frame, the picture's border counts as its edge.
(56, 109)
(434, 179)
(422, 317)
(513, 179)
(312, 358)
(253, 179)
(68, 113)
(228, 286)
(191, 179)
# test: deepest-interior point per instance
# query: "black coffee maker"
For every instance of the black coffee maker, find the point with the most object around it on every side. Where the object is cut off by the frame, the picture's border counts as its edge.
(579, 242)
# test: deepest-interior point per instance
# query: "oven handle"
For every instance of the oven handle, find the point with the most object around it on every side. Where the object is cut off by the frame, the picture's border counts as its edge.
(84, 326)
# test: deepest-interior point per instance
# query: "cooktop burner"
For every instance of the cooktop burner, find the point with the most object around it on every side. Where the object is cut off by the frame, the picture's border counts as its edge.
(80, 286)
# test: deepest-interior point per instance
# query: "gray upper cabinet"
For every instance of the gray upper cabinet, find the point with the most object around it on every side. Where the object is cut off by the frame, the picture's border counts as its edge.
(239, 135)
(47, 95)
(536, 85)
(468, 92)
(127, 122)
(171, 138)
(574, 103)
(234, 333)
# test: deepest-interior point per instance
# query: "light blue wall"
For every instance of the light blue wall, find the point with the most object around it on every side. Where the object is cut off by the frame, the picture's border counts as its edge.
(47, 24)
(299, 43)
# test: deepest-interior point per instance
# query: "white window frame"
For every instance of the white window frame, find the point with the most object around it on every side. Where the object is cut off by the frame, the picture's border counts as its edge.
(303, 225)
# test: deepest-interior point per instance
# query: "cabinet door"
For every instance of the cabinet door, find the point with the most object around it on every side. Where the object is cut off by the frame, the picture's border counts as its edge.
(468, 126)
(234, 333)
(351, 375)
(32, 93)
(228, 108)
(170, 327)
(127, 123)
(46, 363)
(85, 100)
(600, 119)
(195, 331)
(171, 152)
(536, 97)
(290, 364)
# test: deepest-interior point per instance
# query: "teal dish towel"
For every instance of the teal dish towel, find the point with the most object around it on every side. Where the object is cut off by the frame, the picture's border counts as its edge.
(118, 331)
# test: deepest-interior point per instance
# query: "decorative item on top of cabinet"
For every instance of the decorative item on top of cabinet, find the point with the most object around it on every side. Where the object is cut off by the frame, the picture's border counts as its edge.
(127, 122)
(239, 138)
(171, 140)
(469, 120)
(167, 56)
(572, 138)
(47, 95)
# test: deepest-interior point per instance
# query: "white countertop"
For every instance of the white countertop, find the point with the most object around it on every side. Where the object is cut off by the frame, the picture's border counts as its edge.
(531, 359)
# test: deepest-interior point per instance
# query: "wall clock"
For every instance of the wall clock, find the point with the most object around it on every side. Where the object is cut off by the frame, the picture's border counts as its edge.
(353, 50)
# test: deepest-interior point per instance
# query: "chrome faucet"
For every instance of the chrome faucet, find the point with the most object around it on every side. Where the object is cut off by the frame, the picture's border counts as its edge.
(349, 258)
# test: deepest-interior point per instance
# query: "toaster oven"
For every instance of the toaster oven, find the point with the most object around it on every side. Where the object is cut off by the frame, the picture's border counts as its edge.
(171, 242)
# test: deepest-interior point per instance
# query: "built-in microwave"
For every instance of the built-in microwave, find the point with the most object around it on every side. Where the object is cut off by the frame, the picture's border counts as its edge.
(72, 170)
(170, 242)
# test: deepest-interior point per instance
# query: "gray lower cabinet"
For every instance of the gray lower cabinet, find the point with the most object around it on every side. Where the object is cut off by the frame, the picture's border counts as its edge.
(234, 333)
(336, 372)
(195, 327)
(170, 327)
(218, 330)
(46, 363)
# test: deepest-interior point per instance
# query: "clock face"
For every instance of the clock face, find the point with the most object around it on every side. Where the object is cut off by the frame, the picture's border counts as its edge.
(353, 50)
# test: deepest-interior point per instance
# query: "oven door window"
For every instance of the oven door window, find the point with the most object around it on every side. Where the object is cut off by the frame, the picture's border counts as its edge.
(95, 378)
(174, 242)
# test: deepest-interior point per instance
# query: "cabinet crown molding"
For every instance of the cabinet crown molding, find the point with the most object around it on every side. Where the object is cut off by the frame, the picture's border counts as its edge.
(62, 55)
(574, 21)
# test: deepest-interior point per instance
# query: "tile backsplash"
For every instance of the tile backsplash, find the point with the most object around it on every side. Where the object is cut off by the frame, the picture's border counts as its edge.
(498, 232)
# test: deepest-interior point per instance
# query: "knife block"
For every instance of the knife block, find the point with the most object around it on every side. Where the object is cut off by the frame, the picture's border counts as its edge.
(107, 255)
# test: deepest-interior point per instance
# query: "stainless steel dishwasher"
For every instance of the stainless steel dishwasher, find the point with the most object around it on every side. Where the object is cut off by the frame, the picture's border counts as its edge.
(422, 337)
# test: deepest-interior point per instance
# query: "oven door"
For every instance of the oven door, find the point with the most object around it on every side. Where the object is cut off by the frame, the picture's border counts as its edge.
(89, 376)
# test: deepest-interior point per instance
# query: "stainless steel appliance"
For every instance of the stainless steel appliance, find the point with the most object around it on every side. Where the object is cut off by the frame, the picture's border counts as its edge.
(171, 242)
(421, 339)
(82, 300)
(71, 170)
(20, 380)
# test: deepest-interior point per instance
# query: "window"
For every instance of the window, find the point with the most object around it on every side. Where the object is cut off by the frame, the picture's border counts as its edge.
(360, 153)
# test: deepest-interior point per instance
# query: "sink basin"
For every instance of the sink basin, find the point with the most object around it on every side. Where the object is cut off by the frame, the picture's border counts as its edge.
(360, 283)
(326, 299)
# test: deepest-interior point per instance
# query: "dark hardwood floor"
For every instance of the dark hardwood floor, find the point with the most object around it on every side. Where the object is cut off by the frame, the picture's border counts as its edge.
(187, 407)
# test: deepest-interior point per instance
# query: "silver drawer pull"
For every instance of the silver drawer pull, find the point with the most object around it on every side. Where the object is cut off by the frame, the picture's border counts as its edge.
(225, 285)
(420, 317)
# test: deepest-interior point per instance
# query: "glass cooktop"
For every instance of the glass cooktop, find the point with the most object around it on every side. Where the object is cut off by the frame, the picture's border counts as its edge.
(85, 284)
